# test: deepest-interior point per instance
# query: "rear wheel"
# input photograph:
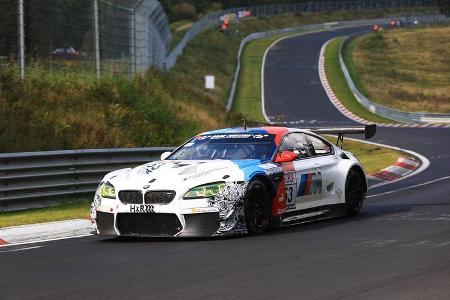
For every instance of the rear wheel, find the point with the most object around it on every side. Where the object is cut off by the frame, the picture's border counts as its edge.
(355, 192)
(257, 208)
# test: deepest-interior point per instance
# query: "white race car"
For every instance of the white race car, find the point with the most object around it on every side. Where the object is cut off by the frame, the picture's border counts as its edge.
(234, 181)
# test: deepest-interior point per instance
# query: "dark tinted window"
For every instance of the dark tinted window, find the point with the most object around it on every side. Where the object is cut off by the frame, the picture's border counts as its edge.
(227, 146)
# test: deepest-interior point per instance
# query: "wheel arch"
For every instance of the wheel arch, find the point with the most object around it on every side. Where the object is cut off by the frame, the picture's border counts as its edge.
(267, 183)
(360, 170)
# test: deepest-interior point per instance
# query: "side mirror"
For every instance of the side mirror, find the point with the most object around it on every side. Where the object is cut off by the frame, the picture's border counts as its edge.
(285, 156)
(165, 155)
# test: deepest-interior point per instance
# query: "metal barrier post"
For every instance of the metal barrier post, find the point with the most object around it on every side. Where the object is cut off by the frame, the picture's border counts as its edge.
(21, 39)
(131, 16)
(96, 39)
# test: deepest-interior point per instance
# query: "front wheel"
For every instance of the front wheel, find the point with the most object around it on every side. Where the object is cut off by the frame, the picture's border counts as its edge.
(355, 192)
(257, 208)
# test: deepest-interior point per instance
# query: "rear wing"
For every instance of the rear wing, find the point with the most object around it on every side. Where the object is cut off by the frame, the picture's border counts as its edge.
(368, 131)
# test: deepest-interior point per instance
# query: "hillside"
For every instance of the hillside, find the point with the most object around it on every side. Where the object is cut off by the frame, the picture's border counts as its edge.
(406, 69)
(63, 109)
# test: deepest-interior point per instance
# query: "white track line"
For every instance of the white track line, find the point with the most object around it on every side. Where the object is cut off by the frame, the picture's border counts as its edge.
(410, 187)
(46, 240)
(21, 249)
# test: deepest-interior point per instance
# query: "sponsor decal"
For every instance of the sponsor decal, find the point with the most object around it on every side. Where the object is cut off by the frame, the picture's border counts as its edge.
(290, 179)
(232, 136)
(302, 185)
(142, 208)
(310, 184)
(179, 164)
(290, 196)
(200, 210)
(205, 173)
(149, 168)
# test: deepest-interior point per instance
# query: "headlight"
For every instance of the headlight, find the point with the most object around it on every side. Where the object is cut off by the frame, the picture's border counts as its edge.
(107, 190)
(204, 191)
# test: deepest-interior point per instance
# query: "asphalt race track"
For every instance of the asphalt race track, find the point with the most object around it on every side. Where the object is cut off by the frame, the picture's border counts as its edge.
(398, 248)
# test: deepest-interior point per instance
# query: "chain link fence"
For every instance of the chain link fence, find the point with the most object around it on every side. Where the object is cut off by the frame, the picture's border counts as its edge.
(85, 36)
(96, 37)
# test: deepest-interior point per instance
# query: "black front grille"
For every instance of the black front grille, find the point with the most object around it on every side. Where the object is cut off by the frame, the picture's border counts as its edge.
(148, 224)
(159, 197)
(130, 197)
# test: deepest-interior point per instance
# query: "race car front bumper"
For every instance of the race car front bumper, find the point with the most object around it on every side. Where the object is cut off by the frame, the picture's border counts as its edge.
(157, 224)
(200, 217)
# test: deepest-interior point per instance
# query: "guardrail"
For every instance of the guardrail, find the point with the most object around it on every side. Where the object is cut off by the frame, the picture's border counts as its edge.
(319, 27)
(386, 112)
(27, 178)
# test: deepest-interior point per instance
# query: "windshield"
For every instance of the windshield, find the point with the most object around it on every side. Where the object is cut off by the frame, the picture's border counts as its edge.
(227, 146)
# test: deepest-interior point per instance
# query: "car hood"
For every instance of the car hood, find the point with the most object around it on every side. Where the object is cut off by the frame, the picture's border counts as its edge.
(172, 174)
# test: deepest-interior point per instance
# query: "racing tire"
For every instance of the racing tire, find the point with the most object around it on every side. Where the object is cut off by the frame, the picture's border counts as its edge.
(257, 208)
(355, 192)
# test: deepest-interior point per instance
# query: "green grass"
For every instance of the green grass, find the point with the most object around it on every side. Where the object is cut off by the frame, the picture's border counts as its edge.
(61, 109)
(340, 87)
(394, 69)
(373, 158)
(66, 211)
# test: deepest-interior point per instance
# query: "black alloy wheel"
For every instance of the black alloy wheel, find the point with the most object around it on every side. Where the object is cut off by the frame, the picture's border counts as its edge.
(257, 208)
(354, 192)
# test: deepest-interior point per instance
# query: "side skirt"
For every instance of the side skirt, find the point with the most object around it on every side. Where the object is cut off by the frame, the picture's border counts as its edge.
(313, 214)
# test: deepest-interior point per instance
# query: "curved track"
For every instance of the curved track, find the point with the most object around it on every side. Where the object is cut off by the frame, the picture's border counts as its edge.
(399, 247)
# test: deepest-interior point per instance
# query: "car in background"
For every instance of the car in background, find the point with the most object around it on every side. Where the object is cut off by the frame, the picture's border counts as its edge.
(234, 181)
(67, 54)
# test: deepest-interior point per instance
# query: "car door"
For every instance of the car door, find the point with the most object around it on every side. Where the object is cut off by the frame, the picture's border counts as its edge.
(328, 161)
(303, 177)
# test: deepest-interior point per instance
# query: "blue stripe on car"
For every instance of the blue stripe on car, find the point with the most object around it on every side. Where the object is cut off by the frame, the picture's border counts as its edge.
(250, 167)
(302, 185)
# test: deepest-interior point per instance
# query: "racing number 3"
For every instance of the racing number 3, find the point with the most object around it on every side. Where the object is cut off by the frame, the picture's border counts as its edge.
(290, 196)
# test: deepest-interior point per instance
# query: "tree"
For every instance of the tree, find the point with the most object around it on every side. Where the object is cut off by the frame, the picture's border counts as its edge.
(444, 7)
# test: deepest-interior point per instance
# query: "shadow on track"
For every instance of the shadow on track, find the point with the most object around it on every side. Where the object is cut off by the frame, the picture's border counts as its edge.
(370, 211)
